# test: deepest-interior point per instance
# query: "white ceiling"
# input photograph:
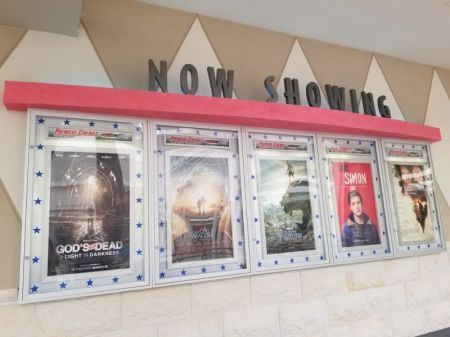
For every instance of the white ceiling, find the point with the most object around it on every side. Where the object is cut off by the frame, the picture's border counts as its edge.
(416, 30)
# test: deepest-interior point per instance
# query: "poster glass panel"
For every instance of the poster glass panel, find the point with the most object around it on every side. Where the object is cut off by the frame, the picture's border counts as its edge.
(85, 214)
(355, 199)
(200, 215)
(285, 201)
(414, 204)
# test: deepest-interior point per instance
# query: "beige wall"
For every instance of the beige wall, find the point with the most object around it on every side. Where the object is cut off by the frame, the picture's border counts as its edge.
(394, 298)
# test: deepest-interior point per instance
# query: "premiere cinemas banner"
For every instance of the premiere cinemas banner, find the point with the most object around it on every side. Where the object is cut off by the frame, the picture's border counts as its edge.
(89, 227)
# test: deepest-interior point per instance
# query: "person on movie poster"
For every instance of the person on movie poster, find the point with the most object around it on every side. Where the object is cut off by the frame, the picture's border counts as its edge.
(200, 218)
(285, 206)
(89, 212)
(412, 203)
(356, 204)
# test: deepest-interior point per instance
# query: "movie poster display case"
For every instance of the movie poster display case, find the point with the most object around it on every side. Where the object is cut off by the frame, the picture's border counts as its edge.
(85, 216)
(284, 201)
(413, 198)
(199, 216)
(355, 199)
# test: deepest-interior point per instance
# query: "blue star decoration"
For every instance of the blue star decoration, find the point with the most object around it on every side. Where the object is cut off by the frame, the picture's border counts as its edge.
(115, 126)
(160, 175)
(237, 198)
(204, 270)
(259, 264)
(39, 174)
(89, 283)
(292, 260)
(91, 124)
(183, 272)
(160, 199)
(37, 201)
(139, 252)
(349, 254)
(35, 259)
(322, 257)
(238, 220)
(34, 289)
(256, 219)
(36, 230)
(161, 223)
(374, 252)
(66, 122)
(139, 176)
(162, 275)
(40, 147)
(258, 242)
(242, 266)
(41, 120)
(161, 250)
(138, 128)
(139, 277)
(139, 225)
(62, 285)
(240, 243)
(138, 200)
(222, 267)
(275, 262)
(115, 279)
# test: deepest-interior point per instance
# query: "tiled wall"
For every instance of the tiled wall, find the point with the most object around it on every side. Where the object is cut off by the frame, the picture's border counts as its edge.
(402, 297)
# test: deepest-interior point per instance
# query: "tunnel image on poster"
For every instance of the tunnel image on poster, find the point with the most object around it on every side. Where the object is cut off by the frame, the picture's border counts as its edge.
(199, 205)
(285, 206)
(89, 227)
(356, 206)
(411, 203)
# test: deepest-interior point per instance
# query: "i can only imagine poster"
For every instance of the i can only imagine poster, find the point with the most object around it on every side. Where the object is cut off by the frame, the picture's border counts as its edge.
(285, 206)
(357, 213)
(411, 203)
(200, 209)
(89, 221)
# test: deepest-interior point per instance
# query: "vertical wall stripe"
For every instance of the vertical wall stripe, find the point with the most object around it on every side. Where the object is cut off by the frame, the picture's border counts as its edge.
(196, 50)
(376, 84)
(9, 39)
(126, 34)
(444, 75)
(444, 212)
(337, 65)
(297, 67)
(410, 83)
(252, 53)
(10, 231)
(438, 115)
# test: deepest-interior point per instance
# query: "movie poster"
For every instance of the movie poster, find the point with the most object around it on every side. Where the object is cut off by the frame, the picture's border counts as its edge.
(356, 206)
(411, 203)
(200, 208)
(285, 206)
(89, 212)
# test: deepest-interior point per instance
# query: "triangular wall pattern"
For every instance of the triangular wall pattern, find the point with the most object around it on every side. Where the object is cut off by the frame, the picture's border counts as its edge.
(9, 38)
(444, 75)
(41, 57)
(438, 115)
(126, 34)
(252, 53)
(410, 83)
(337, 65)
(297, 66)
(195, 50)
(10, 231)
(377, 85)
(444, 212)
